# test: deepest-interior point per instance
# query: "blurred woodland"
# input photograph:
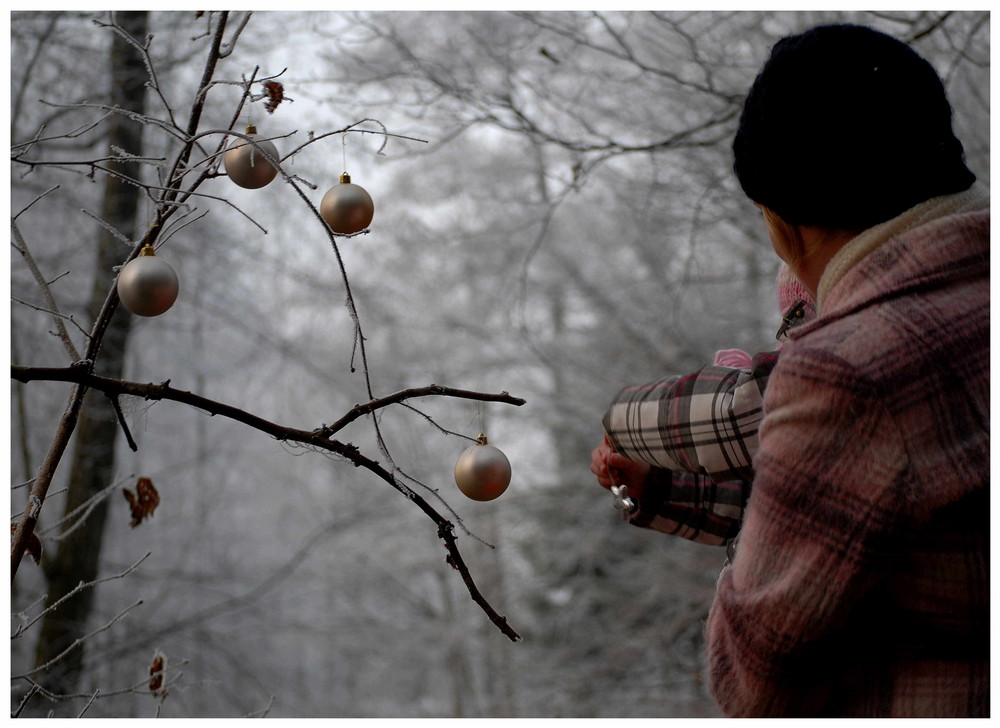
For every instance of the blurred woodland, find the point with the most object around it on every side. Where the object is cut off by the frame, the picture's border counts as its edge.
(555, 217)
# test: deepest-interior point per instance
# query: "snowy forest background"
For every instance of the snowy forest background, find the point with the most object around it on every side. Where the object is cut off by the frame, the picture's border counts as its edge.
(555, 217)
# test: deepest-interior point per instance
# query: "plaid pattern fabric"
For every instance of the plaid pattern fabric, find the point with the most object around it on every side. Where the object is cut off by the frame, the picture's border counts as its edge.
(692, 506)
(704, 422)
(860, 586)
(699, 431)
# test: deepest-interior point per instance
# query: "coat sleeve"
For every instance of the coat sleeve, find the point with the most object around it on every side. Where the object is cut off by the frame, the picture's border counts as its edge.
(704, 422)
(691, 506)
(817, 535)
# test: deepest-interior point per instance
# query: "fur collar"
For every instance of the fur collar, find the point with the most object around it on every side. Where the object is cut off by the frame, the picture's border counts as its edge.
(973, 199)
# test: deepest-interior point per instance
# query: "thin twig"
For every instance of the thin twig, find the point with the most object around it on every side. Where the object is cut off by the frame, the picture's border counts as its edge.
(39, 489)
(143, 49)
(351, 128)
(22, 248)
(56, 315)
(433, 390)
(110, 111)
(226, 49)
(24, 701)
(27, 68)
(177, 225)
(37, 198)
(76, 590)
(118, 155)
(140, 687)
(89, 703)
(79, 131)
(124, 425)
(80, 640)
(149, 188)
(84, 510)
(262, 713)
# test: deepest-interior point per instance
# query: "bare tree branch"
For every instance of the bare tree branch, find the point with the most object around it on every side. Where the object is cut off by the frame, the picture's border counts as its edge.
(25, 700)
(22, 247)
(55, 315)
(137, 687)
(227, 48)
(143, 49)
(89, 703)
(262, 713)
(80, 514)
(21, 629)
(319, 439)
(429, 391)
(28, 67)
(40, 487)
(77, 642)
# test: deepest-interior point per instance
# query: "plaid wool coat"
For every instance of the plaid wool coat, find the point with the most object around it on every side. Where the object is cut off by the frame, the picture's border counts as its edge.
(699, 432)
(860, 583)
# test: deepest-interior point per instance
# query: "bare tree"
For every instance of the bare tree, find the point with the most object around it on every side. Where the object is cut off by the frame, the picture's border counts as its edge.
(93, 411)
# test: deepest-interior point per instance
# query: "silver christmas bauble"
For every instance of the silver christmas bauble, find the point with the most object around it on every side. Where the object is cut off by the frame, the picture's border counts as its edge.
(247, 166)
(147, 285)
(347, 207)
(482, 471)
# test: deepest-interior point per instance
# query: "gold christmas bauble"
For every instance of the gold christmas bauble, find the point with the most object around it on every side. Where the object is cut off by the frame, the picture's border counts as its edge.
(147, 285)
(347, 207)
(482, 471)
(247, 166)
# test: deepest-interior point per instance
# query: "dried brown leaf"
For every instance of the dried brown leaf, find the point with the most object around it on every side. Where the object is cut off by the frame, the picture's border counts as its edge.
(143, 502)
(275, 95)
(156, 673)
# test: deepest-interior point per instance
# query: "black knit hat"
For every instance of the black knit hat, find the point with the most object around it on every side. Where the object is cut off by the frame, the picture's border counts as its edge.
(846, 127)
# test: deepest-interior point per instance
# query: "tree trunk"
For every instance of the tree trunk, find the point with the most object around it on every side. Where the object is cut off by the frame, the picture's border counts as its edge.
(94, 450)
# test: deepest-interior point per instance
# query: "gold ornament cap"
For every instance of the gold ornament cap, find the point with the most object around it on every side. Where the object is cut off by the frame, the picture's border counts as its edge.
(345, 178)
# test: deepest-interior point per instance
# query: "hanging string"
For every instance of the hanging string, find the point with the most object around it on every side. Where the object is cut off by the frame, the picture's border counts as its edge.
(481, 414)
(343, 145)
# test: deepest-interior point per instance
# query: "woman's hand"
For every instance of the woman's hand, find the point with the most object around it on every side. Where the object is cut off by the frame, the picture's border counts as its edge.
(614, 469)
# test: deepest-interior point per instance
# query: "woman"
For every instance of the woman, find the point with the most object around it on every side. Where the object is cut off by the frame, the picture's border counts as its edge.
(861, 583)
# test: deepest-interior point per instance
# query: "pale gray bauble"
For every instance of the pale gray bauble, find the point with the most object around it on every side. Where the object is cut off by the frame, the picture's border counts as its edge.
(347, 207)
(147, 285)
(247, 166)
(482, 471)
